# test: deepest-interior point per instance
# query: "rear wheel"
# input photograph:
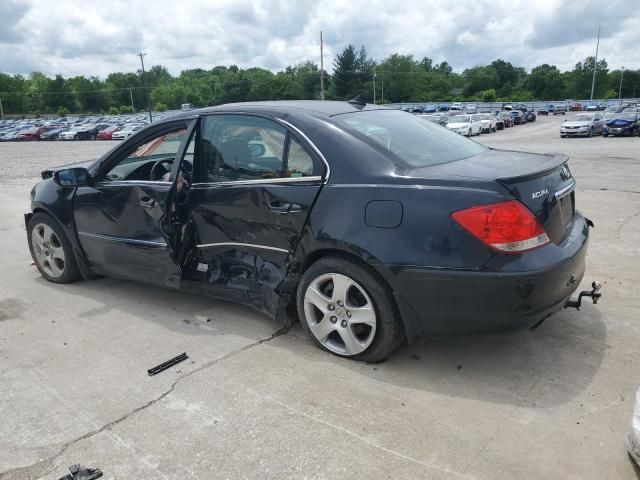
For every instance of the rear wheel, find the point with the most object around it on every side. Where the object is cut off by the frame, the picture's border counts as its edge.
(346, 310)
(51, 251)
(590, 132)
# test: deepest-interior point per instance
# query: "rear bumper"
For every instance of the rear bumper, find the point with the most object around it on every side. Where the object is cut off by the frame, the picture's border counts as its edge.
(512, 292)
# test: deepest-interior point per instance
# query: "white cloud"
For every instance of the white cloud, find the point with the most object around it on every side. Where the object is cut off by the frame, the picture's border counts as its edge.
(76, 37)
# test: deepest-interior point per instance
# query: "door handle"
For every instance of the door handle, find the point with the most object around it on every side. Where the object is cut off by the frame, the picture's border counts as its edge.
(147, 202)
(281, 207)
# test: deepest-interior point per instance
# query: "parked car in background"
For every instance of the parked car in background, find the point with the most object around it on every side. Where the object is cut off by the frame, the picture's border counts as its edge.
(507, 119)
(464, 125)
(430, 109)
(499, 121)
(107, 133)
(621, 124)
(602, 106)
(443, 107)
(582, 125)
(543, 110)
(80, 132)
(590, 107)
(126, 131)
(456, 107)
(559, 109)
(471, 108)
(438, 118)
(52, 134)
(518, 117)
(575, 107)
(487, 122)
(31, 134)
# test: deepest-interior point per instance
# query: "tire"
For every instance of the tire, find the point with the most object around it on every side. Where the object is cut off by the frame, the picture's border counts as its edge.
(93, 136)
(57, 269)
(563, 136)
(376, 339)
(590, 134)
(605, 135)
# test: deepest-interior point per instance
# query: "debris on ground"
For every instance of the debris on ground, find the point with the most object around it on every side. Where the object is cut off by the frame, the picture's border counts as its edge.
(168, 364)
(78, 472)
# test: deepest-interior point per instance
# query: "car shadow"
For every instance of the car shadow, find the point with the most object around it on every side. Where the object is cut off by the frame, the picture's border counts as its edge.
(544, 367)
(179, 312)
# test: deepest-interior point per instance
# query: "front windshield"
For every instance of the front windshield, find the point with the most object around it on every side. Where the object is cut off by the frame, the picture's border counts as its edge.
(460, 119)
(582, 118)
(484, 116)
(409, 138)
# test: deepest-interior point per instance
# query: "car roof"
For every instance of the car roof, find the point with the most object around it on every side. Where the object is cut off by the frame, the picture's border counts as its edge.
(317, 107)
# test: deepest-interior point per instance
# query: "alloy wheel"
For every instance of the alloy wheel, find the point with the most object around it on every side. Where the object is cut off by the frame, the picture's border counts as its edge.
(48, 250)
(340, 314)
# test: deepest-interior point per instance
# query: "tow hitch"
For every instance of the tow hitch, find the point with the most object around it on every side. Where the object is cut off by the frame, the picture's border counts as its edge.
(594, 294)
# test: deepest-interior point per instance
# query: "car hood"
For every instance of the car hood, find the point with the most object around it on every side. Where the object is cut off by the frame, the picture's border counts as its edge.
(576, 124)
(619, 122)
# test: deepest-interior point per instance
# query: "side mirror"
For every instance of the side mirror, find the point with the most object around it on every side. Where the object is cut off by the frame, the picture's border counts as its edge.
(72, 177)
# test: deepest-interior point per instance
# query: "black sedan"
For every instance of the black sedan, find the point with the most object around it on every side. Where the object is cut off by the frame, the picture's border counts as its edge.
(372, 224)
(622, 124)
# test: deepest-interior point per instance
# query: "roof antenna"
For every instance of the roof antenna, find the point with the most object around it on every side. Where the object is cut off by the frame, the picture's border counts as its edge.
(358, 102)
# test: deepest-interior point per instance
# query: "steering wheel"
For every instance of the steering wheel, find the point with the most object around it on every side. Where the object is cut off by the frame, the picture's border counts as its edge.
(155, 174)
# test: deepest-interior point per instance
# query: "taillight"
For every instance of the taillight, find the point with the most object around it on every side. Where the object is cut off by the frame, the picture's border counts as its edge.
(509, 226)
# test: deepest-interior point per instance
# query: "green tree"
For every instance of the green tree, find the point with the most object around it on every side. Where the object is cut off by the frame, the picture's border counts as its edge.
(352, 71)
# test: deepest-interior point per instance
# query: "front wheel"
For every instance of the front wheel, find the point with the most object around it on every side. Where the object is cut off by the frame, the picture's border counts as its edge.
(51, 251)
(590, 134)
(346, 310)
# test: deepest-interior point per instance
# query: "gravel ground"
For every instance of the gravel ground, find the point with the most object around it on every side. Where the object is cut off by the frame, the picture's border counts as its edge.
(256, 402)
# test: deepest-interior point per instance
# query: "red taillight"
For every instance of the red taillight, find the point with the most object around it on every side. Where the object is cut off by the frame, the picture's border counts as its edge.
(506, 226)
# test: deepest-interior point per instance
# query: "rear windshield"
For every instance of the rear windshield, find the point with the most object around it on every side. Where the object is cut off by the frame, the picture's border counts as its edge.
(408, 138)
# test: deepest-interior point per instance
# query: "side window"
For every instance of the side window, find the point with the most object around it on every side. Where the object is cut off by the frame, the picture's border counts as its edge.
(241, 147)
(151, 160)
(299, 162)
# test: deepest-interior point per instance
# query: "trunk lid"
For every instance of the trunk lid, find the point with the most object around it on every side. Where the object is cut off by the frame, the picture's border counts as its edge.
(543, 182)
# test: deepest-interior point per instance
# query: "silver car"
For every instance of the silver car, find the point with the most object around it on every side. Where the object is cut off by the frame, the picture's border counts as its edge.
(582, 125)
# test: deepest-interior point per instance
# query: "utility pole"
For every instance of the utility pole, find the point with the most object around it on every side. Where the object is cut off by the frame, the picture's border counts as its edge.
(133, 109)
(374, 86)
(1, 109)
(321, 68)
(595, 65)
(144, 84)
(620, 89)
(382, 88)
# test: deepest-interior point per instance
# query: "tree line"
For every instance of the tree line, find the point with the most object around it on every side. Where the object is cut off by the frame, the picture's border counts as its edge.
(397, 78)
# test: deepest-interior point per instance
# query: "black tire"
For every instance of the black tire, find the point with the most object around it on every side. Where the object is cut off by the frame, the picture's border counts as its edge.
(590, 132)
(71, 273)
(389, 333)
(93, 136)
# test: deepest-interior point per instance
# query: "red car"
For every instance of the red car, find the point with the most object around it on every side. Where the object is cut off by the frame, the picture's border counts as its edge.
(507, 119)
(575, 107)
(107, 132)
(32, 134)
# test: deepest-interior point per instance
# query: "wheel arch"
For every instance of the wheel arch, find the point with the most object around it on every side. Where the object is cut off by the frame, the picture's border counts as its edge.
(410, 320)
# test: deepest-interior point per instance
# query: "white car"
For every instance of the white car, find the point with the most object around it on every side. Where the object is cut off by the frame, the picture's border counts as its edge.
(488, 122)
(465, 125)
(125, 132)
(456, 107)
(582, 125)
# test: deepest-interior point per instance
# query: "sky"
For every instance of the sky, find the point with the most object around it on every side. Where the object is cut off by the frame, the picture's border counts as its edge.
(73, 37)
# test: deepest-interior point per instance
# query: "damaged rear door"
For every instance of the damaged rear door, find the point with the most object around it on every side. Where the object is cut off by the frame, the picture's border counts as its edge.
(254, 182)
(118, 216)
